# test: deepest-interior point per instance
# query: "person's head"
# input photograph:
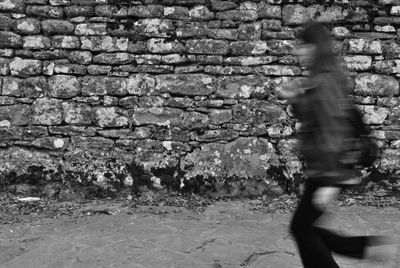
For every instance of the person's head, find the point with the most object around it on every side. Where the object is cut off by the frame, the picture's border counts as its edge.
(315, 50)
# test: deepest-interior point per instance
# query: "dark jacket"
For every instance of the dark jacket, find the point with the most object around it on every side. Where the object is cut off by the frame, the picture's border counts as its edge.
(322, 111)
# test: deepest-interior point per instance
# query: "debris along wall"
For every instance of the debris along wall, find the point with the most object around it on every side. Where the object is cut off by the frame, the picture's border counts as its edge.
(176, 93)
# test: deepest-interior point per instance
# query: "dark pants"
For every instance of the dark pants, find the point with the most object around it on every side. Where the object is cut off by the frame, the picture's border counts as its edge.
(316, 244)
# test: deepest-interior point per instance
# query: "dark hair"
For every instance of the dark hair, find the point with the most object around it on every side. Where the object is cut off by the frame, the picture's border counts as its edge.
(324, 58)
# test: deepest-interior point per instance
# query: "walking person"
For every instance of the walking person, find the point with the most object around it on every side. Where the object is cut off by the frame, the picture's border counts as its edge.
(320, 103)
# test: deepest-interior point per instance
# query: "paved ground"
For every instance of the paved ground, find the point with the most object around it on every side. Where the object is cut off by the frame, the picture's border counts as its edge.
(227, 234)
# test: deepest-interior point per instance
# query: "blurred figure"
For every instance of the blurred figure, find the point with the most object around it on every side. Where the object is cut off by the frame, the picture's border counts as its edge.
(321, 102)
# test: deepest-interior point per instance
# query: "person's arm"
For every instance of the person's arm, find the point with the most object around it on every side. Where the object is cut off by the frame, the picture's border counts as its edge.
(323, 196)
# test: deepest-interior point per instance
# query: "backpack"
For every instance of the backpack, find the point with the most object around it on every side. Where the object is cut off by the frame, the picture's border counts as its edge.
(361, 151)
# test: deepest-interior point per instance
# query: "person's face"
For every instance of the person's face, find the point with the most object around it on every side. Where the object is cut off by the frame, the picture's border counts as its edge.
(305, 52)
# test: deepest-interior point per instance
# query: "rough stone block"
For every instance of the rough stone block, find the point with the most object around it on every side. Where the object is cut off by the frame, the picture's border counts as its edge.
(52, 27)
(104, 43)
(266, 11)
(51, 143)
(110, 117)
(364, 46)
(82, 57)
(250, 61)
(148, 59)
(298, 14)
(390, 160)
(358, 15)
(111, 11)
(250, 31)
(91, 29)
(25, 68)
(6, 22)
(18, 115)
(31, 87)
(294, 14)
(99, 69)
(114, 58)
(219, 70)
(37, 2)
(231, 160)
(376, 85)
(11, 86)
(237, 15)
(341, 32)
(248, 48)
(36, 42)
(152, 69)
(16, 6)
(64, 86)
(45, 11)
(65, 42)
(10, 40)
(387, 66)
(389, 2)
(137, 47)
(79, 11)
(77, 113)
(47, 112)
(27, 26)
(207, 46)
(257, 112)
(395, 10)
(67, 68)
(358, 63)
(228, 34)
(282, 35)
(391, 50)
(194, 120)
(177, 13)
(148, 11)
(141, 84)
(223, 5)
(196, 30)
(387, 20)
(186, 84)
(373, 114)
(34, 87)
(48, 67)
(4, 100)
(173, 59)
(385, 28)
(4, 67)
(100, 86)
(278, 70)
(88, 2)
(217, 135)
(274, 25)
(157, 116)
(201, 13)
(241, 87)
(6, 52)
(155, 27)
(60, 2)
(281, 47)
(156, 45)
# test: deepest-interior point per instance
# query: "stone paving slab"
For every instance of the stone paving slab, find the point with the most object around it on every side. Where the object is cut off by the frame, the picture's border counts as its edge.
(227, 234)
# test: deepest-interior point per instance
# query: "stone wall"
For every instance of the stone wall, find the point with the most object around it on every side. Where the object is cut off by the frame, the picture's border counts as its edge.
(174, 92)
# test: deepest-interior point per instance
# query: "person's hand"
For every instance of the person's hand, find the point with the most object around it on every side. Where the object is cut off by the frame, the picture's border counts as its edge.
(323, 196)
(290, 89)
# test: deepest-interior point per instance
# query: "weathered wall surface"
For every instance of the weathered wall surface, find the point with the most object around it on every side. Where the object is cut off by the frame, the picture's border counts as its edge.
(117, 92)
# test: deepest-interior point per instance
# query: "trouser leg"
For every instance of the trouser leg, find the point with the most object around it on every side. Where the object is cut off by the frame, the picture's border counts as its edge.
(314, 252)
